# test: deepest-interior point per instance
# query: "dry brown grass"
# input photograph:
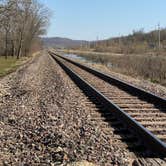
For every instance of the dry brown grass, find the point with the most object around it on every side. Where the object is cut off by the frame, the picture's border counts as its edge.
(148, 67)
(151, 67)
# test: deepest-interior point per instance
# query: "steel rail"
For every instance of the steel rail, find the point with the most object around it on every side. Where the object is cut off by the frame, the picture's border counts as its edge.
(150, 140)
(146, 96)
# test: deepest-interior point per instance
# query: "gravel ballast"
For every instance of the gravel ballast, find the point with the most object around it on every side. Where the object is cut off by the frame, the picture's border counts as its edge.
(44, 120)
(43, 123)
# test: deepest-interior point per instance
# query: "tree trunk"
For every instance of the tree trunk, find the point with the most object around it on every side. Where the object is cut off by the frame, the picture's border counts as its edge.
(13, 48)
(19, 50)
(6, 49)
(20, 46)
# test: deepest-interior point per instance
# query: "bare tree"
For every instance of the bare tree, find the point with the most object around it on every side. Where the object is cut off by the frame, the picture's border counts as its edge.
(21, 22)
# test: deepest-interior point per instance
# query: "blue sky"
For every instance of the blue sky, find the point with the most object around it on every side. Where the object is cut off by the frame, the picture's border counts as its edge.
(87, 19)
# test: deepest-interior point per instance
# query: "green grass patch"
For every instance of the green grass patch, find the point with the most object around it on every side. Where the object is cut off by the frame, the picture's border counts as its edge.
(9, 65)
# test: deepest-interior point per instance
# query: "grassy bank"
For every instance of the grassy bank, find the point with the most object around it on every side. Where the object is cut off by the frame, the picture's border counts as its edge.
(151, 67)
(10, 64)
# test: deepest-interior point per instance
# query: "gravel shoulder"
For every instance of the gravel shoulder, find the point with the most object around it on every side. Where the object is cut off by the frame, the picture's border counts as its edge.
(44, 120)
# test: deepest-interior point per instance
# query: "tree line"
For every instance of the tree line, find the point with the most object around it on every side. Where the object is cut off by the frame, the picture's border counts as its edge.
(21, 24)
(137, 42)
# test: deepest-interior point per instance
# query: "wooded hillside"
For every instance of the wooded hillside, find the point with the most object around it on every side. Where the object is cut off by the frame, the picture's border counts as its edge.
(137, 42)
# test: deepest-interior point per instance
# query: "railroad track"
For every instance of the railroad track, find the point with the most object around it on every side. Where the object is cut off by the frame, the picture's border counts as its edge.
(142, 113)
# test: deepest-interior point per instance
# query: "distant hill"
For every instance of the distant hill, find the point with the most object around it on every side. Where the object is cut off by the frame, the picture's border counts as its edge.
(59, 42)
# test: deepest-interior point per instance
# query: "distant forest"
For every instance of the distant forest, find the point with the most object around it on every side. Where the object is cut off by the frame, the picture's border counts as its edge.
(137, 42)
